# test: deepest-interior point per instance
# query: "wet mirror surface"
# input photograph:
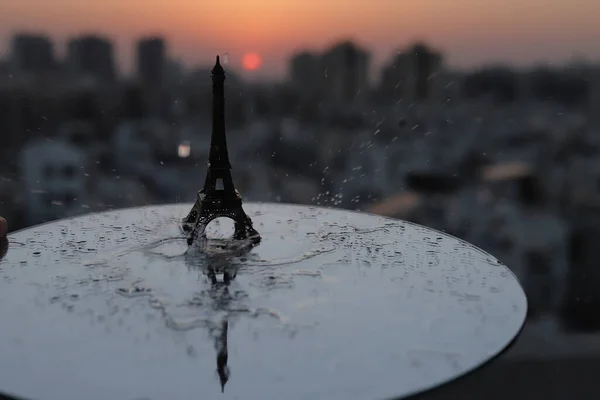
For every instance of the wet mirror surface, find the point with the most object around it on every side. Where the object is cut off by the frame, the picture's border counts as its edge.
(331, 305)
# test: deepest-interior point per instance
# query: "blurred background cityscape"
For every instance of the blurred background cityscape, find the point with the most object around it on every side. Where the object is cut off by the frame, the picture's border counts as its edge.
(502, 154)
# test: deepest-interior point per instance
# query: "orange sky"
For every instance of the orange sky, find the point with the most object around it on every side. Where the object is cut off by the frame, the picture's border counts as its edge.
(470, 32)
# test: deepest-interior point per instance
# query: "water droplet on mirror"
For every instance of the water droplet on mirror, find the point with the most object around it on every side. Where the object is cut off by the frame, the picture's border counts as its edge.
(134, 291)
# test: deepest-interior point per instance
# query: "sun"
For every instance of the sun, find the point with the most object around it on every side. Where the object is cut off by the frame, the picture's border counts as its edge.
(251, 61)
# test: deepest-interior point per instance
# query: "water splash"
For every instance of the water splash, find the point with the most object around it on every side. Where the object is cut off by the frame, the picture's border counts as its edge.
(134, 291)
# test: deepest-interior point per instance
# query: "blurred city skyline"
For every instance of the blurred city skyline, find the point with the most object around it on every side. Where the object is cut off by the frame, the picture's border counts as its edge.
(469, 32)
(470, 117)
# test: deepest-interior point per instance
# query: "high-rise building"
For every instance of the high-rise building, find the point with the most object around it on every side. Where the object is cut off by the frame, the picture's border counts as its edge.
(151, 60)
(92, 56)
(594, 96)
(394, 77)
(412, 74)
(304, 73)
(345, 72)
(32, 53)
(426, 64)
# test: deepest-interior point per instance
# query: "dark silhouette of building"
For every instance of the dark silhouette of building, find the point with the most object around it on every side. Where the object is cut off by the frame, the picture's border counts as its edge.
(32, 53)
(345, 72)
(500, 83)
(411, 74)
(561, 86)
(151, 60)
(304, 73)
(426, 64)
(92, 56)
(133, 105)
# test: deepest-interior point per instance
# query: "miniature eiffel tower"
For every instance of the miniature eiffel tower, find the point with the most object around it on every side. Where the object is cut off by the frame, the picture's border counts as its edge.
(218, 198)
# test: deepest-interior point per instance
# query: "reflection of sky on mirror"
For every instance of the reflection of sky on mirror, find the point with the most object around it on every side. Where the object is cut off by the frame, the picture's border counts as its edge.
(471, 31)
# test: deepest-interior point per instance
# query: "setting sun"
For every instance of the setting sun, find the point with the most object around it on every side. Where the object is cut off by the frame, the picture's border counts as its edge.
(251, 61)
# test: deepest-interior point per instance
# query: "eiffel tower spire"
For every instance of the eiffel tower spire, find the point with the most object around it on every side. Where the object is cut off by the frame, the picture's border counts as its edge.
(218, 158)
(218, 198)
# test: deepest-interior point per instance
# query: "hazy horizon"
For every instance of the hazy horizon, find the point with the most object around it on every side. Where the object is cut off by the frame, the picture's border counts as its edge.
(469, 32)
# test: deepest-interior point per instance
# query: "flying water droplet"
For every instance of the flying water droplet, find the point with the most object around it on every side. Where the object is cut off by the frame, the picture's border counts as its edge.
(134, 291)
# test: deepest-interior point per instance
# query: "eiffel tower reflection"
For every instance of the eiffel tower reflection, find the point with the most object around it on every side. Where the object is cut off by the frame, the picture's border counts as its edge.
(222, 297)
(219, 263)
